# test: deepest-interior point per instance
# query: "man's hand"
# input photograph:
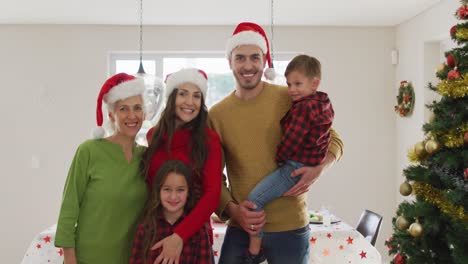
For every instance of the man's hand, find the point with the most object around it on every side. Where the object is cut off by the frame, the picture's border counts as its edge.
(309, 176)
(171, 249)
(250, 221)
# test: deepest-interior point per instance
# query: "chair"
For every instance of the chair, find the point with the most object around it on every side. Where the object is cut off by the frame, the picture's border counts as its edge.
(369, 225)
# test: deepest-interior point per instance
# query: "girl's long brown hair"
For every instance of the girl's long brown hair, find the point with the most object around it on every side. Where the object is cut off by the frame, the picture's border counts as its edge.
(167, 127)
(153, 207)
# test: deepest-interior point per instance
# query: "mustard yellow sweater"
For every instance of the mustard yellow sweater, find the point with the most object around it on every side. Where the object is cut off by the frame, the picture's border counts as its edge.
(249, 132)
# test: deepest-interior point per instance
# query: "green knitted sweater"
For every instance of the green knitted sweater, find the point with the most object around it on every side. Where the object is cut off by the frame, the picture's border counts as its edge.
(103, 196)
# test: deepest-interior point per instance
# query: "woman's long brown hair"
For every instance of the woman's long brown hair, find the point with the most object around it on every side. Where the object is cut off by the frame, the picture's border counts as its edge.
(153, 207)
(167, 127)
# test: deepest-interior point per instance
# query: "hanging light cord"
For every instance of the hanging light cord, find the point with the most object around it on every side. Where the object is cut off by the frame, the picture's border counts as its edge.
(272, 29)
(140, 69)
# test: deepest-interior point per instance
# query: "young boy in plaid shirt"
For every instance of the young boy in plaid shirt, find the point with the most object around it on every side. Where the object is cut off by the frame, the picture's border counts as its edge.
(168, 204)
(305, 140)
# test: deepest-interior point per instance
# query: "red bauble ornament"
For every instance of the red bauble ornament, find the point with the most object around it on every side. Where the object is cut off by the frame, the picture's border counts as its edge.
(451, 61)
(466, 174)
(453, 30)
(465, 137)
(462, 12)
(399, 259)
(453, 74)
(388, 241)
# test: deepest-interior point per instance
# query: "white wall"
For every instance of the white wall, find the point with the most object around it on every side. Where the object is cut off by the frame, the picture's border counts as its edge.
(51, 75)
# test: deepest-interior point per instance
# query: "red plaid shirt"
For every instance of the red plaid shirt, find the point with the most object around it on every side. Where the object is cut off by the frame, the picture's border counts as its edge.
(306, 130)
(197, 250)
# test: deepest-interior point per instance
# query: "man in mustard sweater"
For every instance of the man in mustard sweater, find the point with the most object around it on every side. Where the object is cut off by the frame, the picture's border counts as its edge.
(248, 123)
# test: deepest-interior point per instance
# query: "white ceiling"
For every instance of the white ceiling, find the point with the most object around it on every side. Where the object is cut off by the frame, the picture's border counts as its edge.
(212, 12)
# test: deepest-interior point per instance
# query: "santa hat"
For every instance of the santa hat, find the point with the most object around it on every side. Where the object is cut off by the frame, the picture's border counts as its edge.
(247, 33)
(188, 75)
(117, 87)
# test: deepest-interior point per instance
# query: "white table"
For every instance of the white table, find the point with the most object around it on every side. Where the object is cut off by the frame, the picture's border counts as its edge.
(337, 243)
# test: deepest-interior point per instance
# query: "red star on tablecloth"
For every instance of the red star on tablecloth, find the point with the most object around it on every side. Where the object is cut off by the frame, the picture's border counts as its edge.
(216, 235)
(38, 246)
(60, 252)
(329, 235)
(341, 247)
(326, 252)
(350, 240)
(216, 253)
(363, 254)
(312, 240)
(47, 239)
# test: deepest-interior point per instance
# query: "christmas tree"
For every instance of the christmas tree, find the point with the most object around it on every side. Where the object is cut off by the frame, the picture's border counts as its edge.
(433, 227)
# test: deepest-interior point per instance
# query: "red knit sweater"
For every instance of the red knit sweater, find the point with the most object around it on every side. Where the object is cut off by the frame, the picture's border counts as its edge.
(211, 178)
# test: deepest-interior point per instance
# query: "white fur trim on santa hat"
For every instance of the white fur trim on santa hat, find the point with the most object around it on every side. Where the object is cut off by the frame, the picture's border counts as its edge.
(245, 38)
(124, 90)
(270, 74)
(189, 75)
(98, 132)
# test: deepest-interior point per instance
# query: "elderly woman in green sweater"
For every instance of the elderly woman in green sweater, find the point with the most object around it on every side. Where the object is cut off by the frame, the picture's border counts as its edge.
(105, 192)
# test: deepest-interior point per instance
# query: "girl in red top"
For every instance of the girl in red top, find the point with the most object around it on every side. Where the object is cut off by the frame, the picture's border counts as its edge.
(171, 199)
(182, 134)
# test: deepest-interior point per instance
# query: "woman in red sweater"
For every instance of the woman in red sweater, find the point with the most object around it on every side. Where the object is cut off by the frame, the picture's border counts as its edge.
(182, 134)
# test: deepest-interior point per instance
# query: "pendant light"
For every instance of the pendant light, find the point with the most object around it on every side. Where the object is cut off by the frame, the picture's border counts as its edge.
(154, 85)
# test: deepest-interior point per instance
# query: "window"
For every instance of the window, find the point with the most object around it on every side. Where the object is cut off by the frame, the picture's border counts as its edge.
(220, 79)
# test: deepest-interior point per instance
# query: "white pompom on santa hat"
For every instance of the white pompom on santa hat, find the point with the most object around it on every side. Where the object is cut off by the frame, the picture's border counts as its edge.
(118, 87)
(187, 75)
(248, 33)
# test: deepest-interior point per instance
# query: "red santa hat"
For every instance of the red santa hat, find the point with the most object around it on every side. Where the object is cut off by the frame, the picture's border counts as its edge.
(247, 33)
(187, 75)
(117, 87)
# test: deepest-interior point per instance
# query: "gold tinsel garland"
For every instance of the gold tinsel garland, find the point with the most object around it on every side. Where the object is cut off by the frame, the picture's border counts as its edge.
(455, 138)
(456, 88)
(462, 34)
(434, 196)
(451, 139)
(412, 156)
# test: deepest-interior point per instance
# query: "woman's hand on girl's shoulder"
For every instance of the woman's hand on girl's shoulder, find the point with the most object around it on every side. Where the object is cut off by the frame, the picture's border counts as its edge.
(171, 249)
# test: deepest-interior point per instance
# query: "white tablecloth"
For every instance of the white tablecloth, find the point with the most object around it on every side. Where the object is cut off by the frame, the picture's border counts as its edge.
(42, 249)
(336, 244)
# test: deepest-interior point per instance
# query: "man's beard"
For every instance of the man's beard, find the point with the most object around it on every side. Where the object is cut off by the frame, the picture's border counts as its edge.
(247, 86)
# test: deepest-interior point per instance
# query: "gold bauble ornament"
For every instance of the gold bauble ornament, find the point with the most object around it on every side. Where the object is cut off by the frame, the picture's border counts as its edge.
(441, 67)
(419, 149)
(402, 223)
(415, 229)
(405, 189)
(432, 146)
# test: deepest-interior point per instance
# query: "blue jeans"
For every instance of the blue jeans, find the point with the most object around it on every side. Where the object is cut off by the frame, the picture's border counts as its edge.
(274, 185)
(279, 247)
